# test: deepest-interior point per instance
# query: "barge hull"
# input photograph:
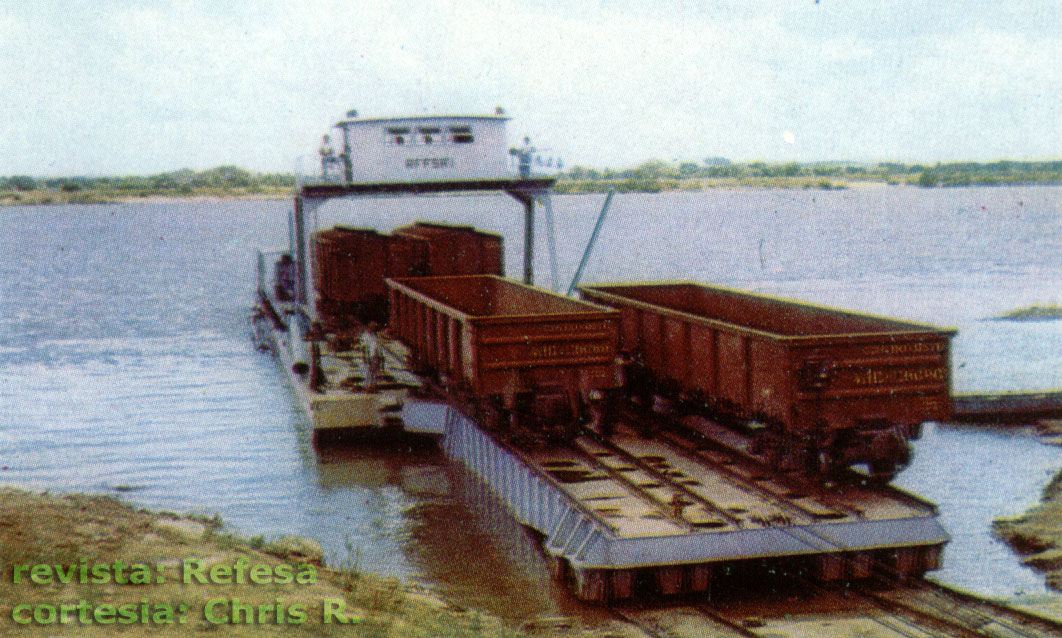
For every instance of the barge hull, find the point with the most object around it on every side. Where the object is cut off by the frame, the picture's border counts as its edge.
(603, 561)
(333, 409)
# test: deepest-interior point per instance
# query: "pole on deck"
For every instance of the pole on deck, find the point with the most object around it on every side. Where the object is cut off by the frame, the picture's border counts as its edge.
(301, 284)
(529, 241)
(590, 244)
(551, 240)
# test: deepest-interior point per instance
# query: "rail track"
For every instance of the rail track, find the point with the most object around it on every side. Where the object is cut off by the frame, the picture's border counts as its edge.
(922, 611)
(694, 445)
(965, 612)
(886, 606)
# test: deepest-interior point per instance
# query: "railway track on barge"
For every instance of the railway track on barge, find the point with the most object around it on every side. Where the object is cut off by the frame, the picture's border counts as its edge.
(711, 453)
(663, 513)
(888, 605)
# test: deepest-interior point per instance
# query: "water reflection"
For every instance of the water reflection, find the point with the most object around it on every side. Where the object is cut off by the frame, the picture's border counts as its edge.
(447, 527)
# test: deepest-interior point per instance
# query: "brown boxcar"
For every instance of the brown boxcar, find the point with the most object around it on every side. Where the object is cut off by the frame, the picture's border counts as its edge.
(500, 339)
(456, 250)
(831, 387)
(350, 265)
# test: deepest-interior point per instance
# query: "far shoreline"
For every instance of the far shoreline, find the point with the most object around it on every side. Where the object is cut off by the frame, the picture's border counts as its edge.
(10, 199)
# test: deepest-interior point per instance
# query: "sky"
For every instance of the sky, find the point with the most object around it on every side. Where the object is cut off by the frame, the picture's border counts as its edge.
(104, 87)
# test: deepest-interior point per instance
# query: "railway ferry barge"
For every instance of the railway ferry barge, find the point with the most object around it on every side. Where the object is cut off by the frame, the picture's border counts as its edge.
(652, 437)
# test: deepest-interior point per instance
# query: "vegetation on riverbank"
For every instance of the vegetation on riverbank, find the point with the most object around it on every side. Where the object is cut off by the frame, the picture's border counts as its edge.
(1034, 313)
(650, 177)
(82, 551)
(223, 181)
(654, 176)
(1037, 534)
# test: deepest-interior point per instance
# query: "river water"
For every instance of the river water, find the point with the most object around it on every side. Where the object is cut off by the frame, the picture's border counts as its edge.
(126, 365)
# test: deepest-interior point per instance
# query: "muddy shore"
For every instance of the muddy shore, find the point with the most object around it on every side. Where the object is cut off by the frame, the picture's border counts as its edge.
(83, 565)
(1037, 534)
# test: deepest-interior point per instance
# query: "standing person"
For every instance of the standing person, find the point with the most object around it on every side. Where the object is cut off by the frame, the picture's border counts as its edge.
(523, 157)
(372, 354)
(284, 288)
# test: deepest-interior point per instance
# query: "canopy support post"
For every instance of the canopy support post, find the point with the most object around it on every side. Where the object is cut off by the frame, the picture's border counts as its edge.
(529, 241)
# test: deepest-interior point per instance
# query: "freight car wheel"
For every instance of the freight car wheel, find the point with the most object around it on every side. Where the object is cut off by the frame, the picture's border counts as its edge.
(600, 413)
(773, 456)
(827, 463)
(572, 430)
(494, 416)
(882, 471)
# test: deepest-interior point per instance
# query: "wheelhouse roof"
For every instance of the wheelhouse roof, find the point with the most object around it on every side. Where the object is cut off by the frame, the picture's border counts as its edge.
(423, 118)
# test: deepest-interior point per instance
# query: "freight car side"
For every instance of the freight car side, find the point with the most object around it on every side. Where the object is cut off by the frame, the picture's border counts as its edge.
(829, 387)
(455, 250)
(352, 263)
(511, 346)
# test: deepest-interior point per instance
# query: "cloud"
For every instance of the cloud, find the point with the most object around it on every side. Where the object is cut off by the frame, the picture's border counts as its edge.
(143, 87)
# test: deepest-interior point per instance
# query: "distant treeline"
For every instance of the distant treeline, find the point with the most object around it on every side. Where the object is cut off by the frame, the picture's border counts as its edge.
(220, 181)
(651, 176)
(656, 175)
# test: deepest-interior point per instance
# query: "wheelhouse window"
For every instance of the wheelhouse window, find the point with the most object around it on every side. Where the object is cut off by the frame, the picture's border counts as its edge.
(461, 134)
(398, 135)
(429, 134)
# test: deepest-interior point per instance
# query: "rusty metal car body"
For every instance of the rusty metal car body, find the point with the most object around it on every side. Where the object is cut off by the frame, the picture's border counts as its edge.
(504, 342)
(826, 387)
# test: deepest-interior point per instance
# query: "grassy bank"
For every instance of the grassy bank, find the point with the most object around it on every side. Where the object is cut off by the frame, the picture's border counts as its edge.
(648, 177)
(1037, 534)
(1034, 313)
(220, 182)
(93, 554)
(655, 175)
(107, 196)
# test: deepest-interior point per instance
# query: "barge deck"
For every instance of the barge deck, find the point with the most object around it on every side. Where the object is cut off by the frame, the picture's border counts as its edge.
(342, 402)
(630, 514)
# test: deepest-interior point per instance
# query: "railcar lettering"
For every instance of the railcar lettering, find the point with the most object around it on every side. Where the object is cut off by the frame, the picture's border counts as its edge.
(571, 329)
(558, 350)
(904, 348)
(898, 376)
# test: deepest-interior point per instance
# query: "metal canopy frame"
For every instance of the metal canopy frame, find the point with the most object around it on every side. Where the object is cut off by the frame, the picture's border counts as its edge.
(526, 190)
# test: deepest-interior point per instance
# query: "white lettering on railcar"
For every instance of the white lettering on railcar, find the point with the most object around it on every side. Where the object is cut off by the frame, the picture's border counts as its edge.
(898, 376)
(560, 350)
(904, 348)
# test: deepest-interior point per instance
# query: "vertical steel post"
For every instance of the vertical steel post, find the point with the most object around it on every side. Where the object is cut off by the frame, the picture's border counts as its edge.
(551, 240)
(291, 231)
(300, 252)
(263, 286)
(348, 162)
(529, 240)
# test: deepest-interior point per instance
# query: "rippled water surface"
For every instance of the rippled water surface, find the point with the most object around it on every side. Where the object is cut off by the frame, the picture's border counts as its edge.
(126, 365)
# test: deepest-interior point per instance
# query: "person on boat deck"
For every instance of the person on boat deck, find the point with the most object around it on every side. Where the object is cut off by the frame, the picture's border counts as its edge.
(285, 278)
(523, 157)
(326, 147)
(331, 164)
(372, 355)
